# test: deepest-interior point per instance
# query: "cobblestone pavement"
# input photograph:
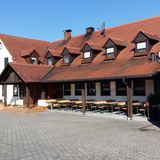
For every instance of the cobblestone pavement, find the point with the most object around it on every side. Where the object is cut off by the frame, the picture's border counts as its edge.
(60, 136)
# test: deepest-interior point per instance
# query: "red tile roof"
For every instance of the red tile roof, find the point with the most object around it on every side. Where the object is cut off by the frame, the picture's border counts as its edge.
(30, 72)
(124, 65)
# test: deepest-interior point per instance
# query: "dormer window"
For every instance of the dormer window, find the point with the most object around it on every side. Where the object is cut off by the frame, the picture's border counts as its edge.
(90, 50)
(87, 55)
(49, 61)
(34, 60)
(143, 43)
(110, 51)
(113, 47)
(66, 59)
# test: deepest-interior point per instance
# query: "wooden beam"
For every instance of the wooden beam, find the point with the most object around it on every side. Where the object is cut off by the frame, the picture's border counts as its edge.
(5, 94)
(130, 99)
(27, 96)
(84, 99)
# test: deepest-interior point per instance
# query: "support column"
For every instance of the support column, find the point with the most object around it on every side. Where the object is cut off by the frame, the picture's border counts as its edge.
(43, 93)
(5, 94)
(129, 99)
(27, 101)
(84, 99)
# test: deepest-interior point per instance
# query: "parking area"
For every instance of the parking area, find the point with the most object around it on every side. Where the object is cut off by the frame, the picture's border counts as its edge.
(64, 136)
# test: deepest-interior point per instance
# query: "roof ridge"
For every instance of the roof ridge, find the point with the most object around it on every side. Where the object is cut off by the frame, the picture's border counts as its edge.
(23, 37)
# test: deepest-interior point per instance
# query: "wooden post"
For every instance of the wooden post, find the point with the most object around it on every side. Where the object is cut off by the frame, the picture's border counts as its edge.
(43, 93)
(27, 96)
(5, 94)
(129, 99)
(84, 99)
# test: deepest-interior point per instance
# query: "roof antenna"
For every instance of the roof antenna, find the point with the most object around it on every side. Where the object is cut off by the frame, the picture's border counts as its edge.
(102, 29)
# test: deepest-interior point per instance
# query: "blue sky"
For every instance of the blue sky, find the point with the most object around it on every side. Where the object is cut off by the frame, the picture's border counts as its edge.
(46, 19)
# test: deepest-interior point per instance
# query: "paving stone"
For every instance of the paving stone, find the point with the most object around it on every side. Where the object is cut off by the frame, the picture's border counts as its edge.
(60, 136)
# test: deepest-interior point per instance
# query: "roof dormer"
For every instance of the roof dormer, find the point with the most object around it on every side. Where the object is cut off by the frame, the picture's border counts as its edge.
(52, 57)
(69, 54)
(30, 56)
(90, 50)
(143, 43)
(113, 47)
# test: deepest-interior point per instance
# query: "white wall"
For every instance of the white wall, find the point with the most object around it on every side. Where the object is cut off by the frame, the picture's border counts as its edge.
(149, 90)
(4, 53)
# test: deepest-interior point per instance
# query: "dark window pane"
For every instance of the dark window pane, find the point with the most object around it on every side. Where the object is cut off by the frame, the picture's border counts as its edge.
(91, 89)
(15, 90)
(78, 89)
(5, 61)
(67, 89)
(105, 88)
(139, 87)
(121, 88)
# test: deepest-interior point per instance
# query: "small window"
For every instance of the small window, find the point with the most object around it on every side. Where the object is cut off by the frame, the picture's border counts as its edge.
(110, 51)
(139, 87)
(15, 90)
(91, 89)
(121, 88)
(141, 45)
(0, 45)
(105, 88)
(34, 60)
(66, 59)
(87, 55)
(67, 89)
(50, 61)
(78, 89)
(5, 61)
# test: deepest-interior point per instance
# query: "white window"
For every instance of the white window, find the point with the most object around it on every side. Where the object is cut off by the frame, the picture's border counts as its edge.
(141, 45)
(110, 50)
(87, 55)
(0, 45)
(66, 59)
(34, 60)
(49, 61)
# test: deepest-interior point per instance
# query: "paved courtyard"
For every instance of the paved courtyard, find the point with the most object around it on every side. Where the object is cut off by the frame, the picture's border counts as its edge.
(61, 136)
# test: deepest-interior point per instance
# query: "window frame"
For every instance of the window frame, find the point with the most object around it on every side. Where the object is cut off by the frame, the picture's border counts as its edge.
(142, 49)
(67, 89)
(69, 59)
(51, 60)
(35, 59)
(139, 87)
(105, 91)
(89, 57)
(90, 90)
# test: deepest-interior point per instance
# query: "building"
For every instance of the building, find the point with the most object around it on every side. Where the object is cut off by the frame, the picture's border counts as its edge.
(118, 63)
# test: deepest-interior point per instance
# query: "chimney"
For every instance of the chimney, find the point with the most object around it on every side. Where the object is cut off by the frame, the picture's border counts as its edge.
(67, 34)
(89, 30)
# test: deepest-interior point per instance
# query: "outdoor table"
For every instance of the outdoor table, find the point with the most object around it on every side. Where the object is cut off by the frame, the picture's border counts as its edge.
(50, 102)
(112, 104)
(136, 105)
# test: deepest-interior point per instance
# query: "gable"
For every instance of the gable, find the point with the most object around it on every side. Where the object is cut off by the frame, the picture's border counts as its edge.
(140, 38)
(86, 48)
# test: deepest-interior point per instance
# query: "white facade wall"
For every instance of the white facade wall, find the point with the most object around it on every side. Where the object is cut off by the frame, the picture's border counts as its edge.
(149, 90)
(4, 53)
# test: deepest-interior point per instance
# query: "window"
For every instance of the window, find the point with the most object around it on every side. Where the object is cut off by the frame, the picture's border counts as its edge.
(105, 88)
(91, 89)
(110, 51)
(15, 90)
(67, 89)
(121, 88)
(34, 60)
(141, 45)
(0, 45)
(78, 89)
(5, 61)
(50, 61)
(66, 59)
(139, 87)
(87, 55)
